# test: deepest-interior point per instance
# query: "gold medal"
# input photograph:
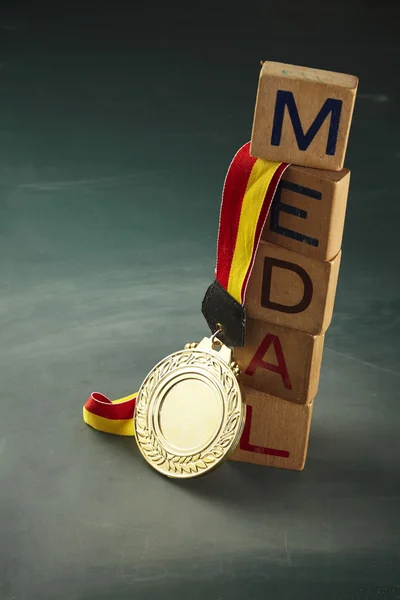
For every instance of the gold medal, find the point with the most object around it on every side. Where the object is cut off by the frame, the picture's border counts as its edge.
(188, 415)
(189, 412)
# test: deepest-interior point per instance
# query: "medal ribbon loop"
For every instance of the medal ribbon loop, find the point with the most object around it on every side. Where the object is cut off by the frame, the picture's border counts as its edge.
(248, 192)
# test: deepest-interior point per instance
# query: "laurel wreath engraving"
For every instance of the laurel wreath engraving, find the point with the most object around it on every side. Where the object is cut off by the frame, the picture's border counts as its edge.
(146, 437)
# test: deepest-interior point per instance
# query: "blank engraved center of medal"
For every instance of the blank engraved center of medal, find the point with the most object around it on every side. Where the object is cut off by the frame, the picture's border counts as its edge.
(190, 415)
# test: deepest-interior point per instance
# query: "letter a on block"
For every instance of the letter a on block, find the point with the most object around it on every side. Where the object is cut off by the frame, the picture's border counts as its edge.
(303, 116)
(280, 361)
(258, 359)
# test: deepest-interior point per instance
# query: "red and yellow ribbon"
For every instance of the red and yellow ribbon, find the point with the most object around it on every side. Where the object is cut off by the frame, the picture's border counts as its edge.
(247, 196)
(249, 189)
(110, 416)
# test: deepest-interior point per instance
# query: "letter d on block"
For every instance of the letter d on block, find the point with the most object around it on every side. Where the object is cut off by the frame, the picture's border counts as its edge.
(292, 290)
(303, 116)
(300, 306)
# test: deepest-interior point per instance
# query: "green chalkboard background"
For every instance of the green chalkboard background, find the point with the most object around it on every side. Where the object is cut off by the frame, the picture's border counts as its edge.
(117, 124)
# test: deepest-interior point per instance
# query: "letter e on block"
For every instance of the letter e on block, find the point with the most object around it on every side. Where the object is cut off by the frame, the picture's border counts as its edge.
(303, 116)
(308, 212)
(276, 432)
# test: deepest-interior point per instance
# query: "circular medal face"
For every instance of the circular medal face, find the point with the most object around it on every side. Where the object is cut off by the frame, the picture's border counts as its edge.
(189, 413)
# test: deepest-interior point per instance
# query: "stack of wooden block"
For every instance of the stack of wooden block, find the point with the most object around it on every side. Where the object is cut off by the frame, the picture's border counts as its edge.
(302, 117)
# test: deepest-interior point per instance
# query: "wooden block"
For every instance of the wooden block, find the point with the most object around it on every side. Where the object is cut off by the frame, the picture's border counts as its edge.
(280, 361)
(276, 432)
(308, 212)
(303, 116)
(292, 290)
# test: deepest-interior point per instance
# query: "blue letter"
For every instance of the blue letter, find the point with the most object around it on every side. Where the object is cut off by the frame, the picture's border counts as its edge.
(331, 106)
(279, 206)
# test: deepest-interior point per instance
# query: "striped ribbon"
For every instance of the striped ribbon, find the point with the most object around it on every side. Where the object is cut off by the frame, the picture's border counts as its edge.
(249, 188)
(110, 416)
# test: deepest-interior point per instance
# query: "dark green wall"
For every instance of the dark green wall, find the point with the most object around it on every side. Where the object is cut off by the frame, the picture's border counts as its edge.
(117, 125)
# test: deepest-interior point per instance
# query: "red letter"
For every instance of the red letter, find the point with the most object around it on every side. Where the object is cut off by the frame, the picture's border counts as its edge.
(257, 360)
(245, 439)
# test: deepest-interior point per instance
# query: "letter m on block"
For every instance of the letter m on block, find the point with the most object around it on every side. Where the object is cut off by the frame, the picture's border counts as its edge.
(332, 107)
